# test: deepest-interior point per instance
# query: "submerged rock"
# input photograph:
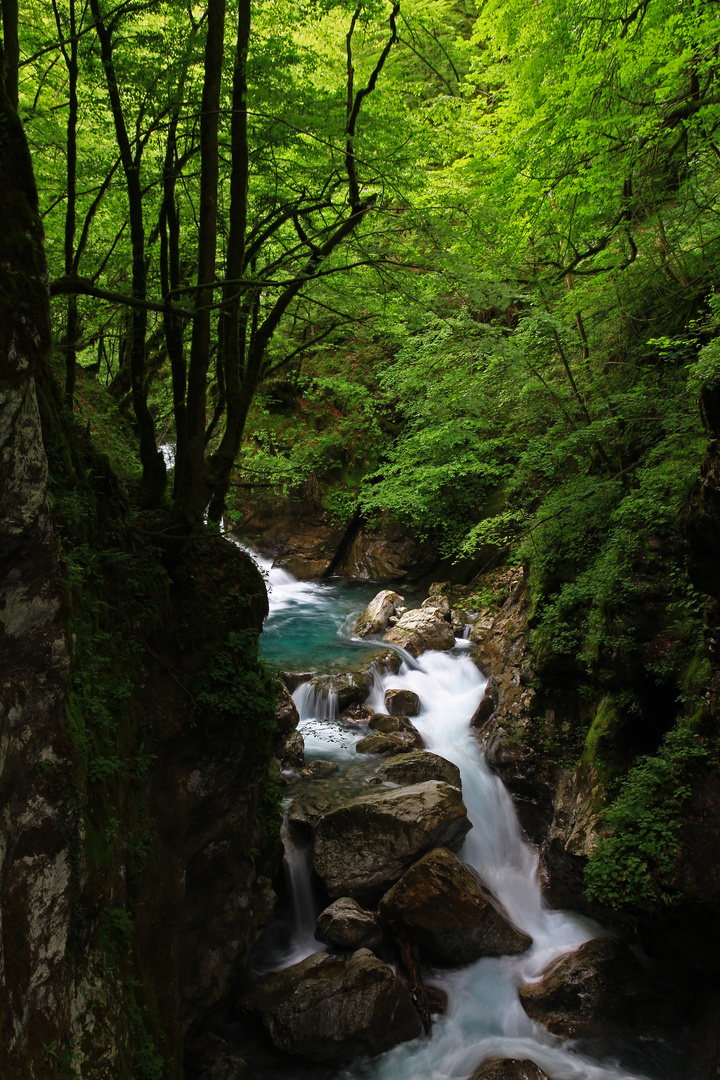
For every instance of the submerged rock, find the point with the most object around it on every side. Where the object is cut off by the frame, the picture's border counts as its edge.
(366, 845)
(421, 629)
(509, 1069)
(320, 768)
(331, 1007)
(401, 702)
(418, 766)
(448, 913)
(348, 926)
(377, 615)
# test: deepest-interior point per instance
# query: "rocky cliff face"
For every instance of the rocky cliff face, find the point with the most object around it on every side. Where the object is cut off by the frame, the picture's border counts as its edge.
(138, 823)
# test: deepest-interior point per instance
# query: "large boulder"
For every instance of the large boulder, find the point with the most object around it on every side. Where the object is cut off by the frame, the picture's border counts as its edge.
(376, 616)
(420, 765)
(350, 687)
(331, 1007)
(509, 1069)
(391, 742)
(600, 985)
(421, 629)
(448, 913)
(287, 717)
(400, 702)
(363, 847)
(348, 926)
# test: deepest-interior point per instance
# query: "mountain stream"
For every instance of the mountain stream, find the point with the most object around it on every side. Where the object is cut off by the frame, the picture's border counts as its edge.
(307, 629)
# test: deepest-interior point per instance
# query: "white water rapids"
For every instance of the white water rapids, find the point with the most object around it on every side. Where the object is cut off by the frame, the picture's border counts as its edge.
(484, 1018)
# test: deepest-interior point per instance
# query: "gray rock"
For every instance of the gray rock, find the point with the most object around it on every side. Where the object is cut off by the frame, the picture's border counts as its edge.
(376, 616)
(331, 1007)
(402, 702)
(420, 765)
(421, 629)
(348, 926)
(364, 846)
(440, 901)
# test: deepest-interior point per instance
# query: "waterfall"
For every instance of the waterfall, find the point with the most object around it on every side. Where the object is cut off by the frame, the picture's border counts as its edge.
(304, 905)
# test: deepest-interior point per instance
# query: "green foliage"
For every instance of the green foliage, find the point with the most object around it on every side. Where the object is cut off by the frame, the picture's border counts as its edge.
(237, 687)
(637, 865)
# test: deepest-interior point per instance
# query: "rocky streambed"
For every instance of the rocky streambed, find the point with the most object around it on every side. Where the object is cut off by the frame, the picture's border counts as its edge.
(420, 944)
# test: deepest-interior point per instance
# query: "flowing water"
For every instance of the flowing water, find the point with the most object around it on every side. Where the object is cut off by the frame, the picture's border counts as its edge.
(308, 630)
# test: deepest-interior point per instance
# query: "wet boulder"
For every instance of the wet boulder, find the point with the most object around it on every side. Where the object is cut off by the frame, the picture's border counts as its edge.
(331, 1007)
(350, 688)
(399, 702)
(363, 847)
(421, 629)
(287, 717)
(420, 765)
(509, 1069)
(376, 616)
(392, 742)
(448, 913)
(319, 769)
(600, 985)
(291, 750)
(346, 925)
(390, 735)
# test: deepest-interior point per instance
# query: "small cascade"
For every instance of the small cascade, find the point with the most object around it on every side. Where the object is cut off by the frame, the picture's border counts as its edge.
(305, 909)
(316, 702)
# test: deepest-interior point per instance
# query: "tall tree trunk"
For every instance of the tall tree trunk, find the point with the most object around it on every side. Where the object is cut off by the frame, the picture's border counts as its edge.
(153, 463)
(192, 480)
(231, 358)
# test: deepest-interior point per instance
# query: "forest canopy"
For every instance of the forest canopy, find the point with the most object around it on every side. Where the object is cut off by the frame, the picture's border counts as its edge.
(441, 262)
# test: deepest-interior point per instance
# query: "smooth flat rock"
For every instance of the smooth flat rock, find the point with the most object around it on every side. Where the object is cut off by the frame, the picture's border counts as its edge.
(363, 847)
(346, 925)
(420, 765)
(331, 1007)
(448, 913)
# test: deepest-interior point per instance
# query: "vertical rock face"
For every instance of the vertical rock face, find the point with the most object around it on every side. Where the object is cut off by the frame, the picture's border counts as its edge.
(35, 856)
(120, 921)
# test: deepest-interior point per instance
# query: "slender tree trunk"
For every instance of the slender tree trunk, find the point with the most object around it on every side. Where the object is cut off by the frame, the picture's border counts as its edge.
(231, 358)
(192, 480)
(69, 48)
(170, 279)
(153, 464)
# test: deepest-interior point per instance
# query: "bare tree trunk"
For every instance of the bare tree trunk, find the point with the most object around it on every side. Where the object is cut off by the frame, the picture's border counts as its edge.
(191, 472)
(153, 464)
